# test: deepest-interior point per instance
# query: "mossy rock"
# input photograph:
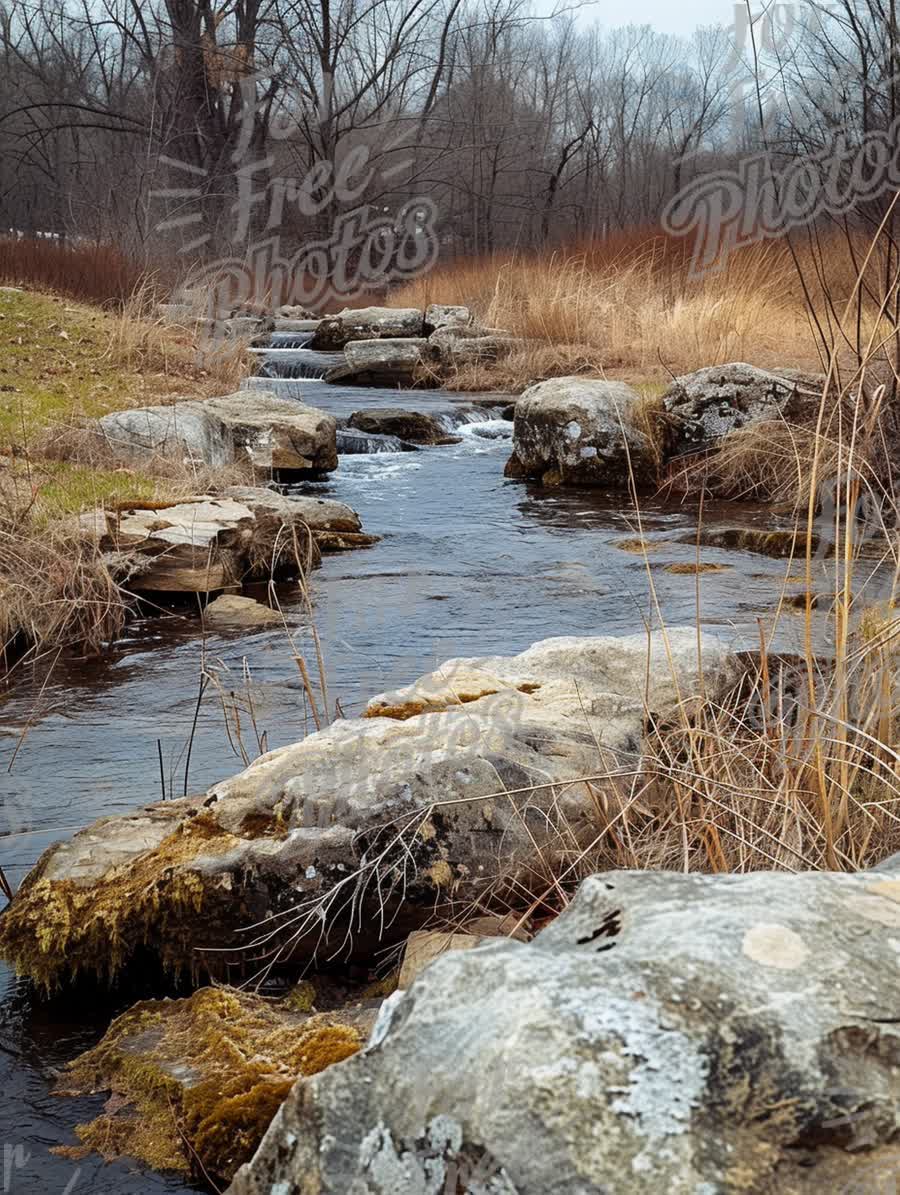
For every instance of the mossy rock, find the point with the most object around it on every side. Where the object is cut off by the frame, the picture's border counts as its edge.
(194, 1083)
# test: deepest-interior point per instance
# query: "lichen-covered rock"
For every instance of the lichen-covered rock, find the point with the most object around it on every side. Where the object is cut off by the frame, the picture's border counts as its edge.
(450, 793)
(194, 1083)
(582, 431)
(366, 323)
(681, 1033)
(270, 432)
(703, 407)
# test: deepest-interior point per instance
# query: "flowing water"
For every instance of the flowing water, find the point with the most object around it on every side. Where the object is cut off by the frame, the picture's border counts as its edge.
(469, 564)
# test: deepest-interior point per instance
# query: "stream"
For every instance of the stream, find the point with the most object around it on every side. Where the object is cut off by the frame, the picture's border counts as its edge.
(469, 564)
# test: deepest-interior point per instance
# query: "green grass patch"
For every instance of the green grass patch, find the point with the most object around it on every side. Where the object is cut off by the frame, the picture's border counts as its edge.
(61, 361)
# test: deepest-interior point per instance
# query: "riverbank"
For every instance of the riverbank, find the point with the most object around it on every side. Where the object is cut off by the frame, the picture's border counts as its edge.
(469, 564)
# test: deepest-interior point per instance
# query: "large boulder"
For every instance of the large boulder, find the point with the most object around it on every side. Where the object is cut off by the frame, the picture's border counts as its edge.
(582, 431)
(394, 361)
(460, 790)
(680, 1033)
(184, 431)
(703, 407)
(257, 426)
(277, 433)
(366, 323)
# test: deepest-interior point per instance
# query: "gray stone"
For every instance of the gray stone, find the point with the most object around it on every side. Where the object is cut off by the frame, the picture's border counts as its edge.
(353, 837)
(247, 327)
(442, 315)
(668, 1033)
(270, 432)
(390, 361)
(277, 433)
(295, 312)
(366, 323)
(460, 345)
(581, 431)
(414, 427)
(703, 407)
(186, 430)
(295, 325)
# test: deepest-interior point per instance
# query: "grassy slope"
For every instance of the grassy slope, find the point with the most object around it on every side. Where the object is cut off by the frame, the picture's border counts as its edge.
(62, 362)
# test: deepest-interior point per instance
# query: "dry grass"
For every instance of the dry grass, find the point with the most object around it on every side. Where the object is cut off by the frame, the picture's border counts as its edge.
(628, 305)
(90, 273)
(55, 586)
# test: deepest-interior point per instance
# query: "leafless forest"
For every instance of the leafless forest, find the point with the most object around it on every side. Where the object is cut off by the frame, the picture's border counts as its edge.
(139, 123)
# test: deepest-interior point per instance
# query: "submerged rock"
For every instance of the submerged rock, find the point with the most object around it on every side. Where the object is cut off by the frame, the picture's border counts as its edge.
(458, 789)
(779, 543)
(272, 433)
(668, 1032)
(194, 1083)
(582, 431)
(230, 610)
(366, 323)
(414, 427)
(703, 407)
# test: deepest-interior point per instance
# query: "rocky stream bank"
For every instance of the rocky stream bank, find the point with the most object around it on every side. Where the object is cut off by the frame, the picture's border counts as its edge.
(653, 1031)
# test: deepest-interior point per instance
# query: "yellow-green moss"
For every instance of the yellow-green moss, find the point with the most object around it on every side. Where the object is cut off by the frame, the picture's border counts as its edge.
(57, 929)
(302, 997)
(200, 1079)
(637, 545)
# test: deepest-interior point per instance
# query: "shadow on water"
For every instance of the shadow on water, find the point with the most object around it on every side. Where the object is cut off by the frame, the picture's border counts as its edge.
(469, 564)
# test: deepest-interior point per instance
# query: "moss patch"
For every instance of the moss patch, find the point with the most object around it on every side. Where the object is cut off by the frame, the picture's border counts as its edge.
(638, 546)
(57, 928)
(195, 1083)
(693, 569)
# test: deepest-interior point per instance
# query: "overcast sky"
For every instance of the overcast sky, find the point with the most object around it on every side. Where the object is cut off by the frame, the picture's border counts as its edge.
(668, 16)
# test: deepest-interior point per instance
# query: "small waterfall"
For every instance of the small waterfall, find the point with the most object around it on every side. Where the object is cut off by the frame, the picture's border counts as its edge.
(459, 417)
(293, 362)
(289, 340)
(490, 429)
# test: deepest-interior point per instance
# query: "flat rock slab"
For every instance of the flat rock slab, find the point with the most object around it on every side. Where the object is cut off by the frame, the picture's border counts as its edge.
(213, 542)
(366, 323)
(445, 795)
(396, 361)
(274, 434)
(668, 1033)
